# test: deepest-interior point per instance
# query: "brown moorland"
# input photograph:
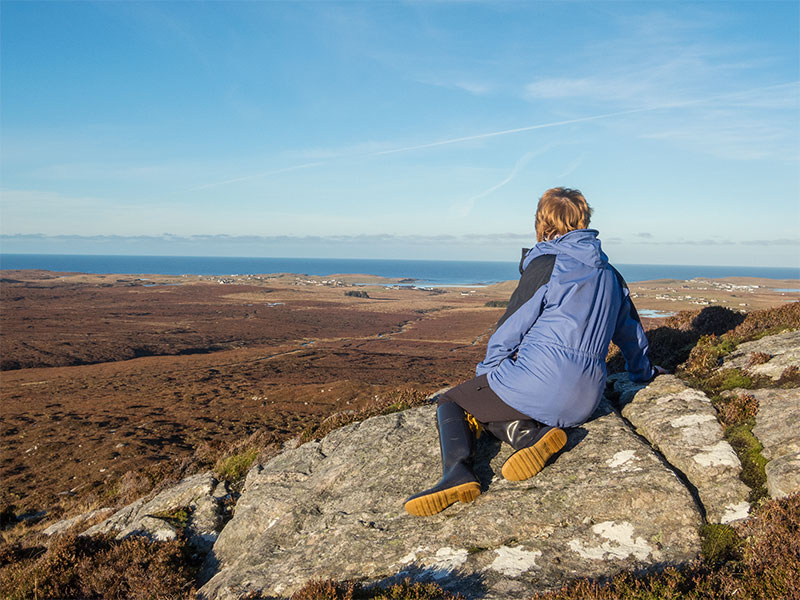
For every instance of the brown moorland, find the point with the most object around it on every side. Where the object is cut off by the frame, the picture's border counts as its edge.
(113, 383)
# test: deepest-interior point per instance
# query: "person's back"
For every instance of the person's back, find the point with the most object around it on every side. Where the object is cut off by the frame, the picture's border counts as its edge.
(545, 362)
(558, 373)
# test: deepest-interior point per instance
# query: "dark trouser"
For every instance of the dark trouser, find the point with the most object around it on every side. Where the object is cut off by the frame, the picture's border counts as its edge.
(477, 398)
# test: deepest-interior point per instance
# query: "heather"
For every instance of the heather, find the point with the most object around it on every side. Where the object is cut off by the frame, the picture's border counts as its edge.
(756, 558)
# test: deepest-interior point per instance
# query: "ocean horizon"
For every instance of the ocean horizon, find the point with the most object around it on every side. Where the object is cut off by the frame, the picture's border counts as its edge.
(423, 272)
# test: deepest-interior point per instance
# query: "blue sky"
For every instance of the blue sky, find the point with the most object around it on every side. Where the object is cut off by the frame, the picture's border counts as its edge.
(400, 129)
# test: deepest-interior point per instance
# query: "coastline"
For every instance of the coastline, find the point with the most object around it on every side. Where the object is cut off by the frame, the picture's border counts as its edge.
(428, 271)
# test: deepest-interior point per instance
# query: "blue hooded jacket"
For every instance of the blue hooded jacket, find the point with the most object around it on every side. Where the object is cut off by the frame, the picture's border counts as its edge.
(547, 356)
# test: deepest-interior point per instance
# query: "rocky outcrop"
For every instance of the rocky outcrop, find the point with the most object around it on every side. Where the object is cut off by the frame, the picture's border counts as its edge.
(778, 429)
(333, 508)
(629, 492)
(681, 423)
(778, 419)
(195, 506)
(782, 348)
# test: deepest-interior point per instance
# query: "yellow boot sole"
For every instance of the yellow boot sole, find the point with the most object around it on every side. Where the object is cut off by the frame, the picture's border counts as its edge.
(430, 504)
(527, 462)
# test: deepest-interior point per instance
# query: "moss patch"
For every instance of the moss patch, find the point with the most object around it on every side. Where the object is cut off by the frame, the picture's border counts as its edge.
(748, 448)
(720, 543)
(178, 518)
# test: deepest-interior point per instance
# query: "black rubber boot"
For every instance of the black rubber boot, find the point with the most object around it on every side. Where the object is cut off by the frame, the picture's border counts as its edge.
(534, 443)
(458, 482)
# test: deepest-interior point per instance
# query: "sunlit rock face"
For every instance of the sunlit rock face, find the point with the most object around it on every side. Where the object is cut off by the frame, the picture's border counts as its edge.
(682, 425)
(333, 508)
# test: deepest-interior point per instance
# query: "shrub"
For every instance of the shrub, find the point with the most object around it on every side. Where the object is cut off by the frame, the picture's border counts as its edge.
(697, 340)
(351, 590)
(737, 410)
(716, 320)
(100, 567)
(757, 358)
(760, 323)
(357, 294)
(496, 304)
(790, 377)
(348, 590)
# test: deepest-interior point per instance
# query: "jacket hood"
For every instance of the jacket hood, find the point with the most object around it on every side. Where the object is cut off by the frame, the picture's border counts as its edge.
(580, 244)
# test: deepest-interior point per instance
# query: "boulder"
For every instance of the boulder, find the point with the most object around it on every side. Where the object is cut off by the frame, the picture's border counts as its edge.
(784, 348)
(778, 429)
(333, 508)
(681, 423)
(199, 496)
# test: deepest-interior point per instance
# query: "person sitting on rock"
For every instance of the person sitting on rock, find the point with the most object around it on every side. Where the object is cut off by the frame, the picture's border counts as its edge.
(545, 366)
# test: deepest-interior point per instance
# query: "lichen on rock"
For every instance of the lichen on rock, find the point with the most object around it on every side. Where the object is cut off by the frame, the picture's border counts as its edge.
(682, 424)
(333, 508)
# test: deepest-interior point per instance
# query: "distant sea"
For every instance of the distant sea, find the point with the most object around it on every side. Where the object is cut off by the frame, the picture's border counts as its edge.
(424, 272)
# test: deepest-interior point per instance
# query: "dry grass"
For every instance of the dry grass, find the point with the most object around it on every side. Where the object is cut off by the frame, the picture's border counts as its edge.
(757, 358)
(401, 398)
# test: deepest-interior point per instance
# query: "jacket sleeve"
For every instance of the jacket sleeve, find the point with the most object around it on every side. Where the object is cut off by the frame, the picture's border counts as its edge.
(524, 308)
(629, 336)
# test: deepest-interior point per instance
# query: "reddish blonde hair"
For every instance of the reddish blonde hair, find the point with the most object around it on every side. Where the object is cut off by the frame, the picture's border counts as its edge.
(561, 210)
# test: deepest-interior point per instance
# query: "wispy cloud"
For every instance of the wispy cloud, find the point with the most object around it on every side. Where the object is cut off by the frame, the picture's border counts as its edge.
(775, 242)
(374, 238)
(282, 240)
(472, 86)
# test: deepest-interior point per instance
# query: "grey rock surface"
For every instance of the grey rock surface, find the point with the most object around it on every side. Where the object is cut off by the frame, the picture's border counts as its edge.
(682, 424)
(333, 508)
(65, 525)
(778, 429)
(783, 475)
(783, 347)
(202, 494)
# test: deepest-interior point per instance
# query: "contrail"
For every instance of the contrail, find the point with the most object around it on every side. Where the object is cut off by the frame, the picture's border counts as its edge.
(491, 134)
(257, 175)
(469, 203)
(481, 136)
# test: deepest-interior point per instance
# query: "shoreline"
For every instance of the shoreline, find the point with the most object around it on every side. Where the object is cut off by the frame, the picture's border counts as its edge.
(426, 272)
(787, 284)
